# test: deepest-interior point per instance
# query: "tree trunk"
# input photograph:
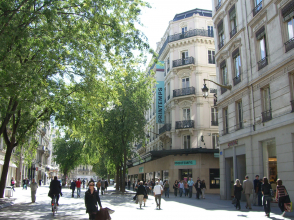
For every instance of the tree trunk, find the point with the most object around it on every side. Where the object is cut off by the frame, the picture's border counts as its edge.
(124, 169)
(121, 177)
(5, 170)
(117, 177)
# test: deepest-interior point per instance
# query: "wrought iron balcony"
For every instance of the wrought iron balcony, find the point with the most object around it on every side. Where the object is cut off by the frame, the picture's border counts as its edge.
(266, 116)
(184, 124)
(239, 126)
(218, 6)
(213, 90)
(289, 45)
(223, 90)
(190, 33)
(164, 128)
(257, 9)
(221, 44)
(237, 79)
(292, 104)
(214, 123)
(182, 62)
(184, 91)
(233, 32)
(225, 131)
(262, 63)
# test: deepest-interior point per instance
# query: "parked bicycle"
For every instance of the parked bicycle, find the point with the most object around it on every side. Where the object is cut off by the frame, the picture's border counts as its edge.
(54, 205)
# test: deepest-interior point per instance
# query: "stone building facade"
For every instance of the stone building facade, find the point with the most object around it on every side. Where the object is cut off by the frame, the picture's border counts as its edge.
(254, 42)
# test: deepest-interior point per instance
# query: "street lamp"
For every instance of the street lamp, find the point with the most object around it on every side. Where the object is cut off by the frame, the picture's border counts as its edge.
(205, 89)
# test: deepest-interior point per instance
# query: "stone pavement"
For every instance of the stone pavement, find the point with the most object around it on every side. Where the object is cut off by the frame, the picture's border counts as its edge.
(125, 208)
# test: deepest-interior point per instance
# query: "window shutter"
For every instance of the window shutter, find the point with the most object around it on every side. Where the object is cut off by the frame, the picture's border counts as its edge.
(260, 33)
(288, 11)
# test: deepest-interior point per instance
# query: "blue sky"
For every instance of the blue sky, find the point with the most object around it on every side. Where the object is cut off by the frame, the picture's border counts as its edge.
(156, 19)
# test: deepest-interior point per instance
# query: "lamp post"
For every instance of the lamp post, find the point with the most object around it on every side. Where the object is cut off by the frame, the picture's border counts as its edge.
(205, 89)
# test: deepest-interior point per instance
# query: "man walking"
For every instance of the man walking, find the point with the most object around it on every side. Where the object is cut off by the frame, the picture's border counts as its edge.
(256, 188)
(157, 194)
(190, 184)
(198, 188)
(73, 187)
(181, 188)
(34, 187)
(102, 186)
(78, 185)
(247, 190)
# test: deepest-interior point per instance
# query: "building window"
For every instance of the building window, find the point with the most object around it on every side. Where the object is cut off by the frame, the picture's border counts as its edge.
(185, 57)
(184, 32)
(218, 4)
(210, 31)
(187, 142)
(185, 83)
(221, 36)
(233, 21)
(237, 67)
(225, 121)
(214, 116)
(267, 113)
(186, 114)
(215, 141)
(261, 38)
(211, 56)
(288, 13)
(214, 178)
(291, 76)
(257, 7)
(224, 75)
(239, 115)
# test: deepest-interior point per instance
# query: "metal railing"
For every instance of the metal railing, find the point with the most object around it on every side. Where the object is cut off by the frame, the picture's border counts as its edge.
(164, 128)
(184, 91)
(233, 32)
(239, 126)
(292, 105)
(184, 124)
(190, 33)
(182, 62)
(221, 44)
(289, 45)
(218, 6)
(213, 90)
(266, 115)
(262, 63)
(214, 123)
(223, 90)
(257, 9)
(237, 79)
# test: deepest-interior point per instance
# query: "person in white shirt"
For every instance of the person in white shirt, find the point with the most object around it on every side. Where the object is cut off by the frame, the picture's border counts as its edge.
(160, 182)
(157, 194)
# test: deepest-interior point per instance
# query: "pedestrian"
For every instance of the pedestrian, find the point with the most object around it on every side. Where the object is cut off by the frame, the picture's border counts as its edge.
(157, 194)
(203, 188)
(146, 195)
(160, 182)
(175, 187)
(91, 200)
(281, 196)
(129, 184)
(247, 190)
(106, 185)
(78, 185)
(267, 198)
(237, 193)
(83, 183)
(256, 188)
(166, 189)
(186, 188)
(98, 186)
(141, 192)
(190, 184)
(12, 183)
(102, 186)
(198, 187)
(24, 184)
(181, 188)
(28, 182)
(34, 187)
(134, 183)
(152, 185)
(55, 189)
(73, 187)
(40, 182)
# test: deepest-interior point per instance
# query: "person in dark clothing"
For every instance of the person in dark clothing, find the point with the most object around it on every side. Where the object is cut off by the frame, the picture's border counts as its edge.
(129, 184)
(198, 188)
(73, 187)
(141, 192)
(266, 192)
(175, 186)
(55, 189)
(91, 200)
(237, 193)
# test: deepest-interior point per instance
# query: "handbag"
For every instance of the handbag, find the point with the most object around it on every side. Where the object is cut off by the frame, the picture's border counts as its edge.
(234, 201)
(103, 214)
(288, 207)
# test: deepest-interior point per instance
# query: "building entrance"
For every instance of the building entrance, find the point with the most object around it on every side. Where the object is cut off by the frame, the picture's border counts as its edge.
(270, 161)
(185, 174)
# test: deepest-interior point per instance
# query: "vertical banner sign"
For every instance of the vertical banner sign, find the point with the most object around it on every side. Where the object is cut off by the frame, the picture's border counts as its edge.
(160, 92)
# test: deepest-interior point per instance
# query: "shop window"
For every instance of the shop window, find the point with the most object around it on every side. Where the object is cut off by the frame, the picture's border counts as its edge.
(185, 174)
(270, 160)
(214, 179)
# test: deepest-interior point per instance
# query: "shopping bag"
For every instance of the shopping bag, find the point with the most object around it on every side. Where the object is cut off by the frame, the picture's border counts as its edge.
(103, 214)
(234, 201)
(288, 207)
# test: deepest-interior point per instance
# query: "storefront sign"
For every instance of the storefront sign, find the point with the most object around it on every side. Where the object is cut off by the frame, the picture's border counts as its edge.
(232, 143)
(216, 155)
(185, 162)
(141, 169)
(160, 92)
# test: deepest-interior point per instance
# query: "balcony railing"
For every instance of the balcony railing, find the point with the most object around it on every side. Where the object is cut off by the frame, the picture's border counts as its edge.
(262, 63)
(182, 62)
(191, 33)
(239, 126)
(221, 44)
(266, 116)
(223, 90)
(237, 79)
(213, 90)
(233, 32)
(292, 105)
(164, 128)
(289, 45)
(214, 123)
(183, 91)
(218, 6)
(225, 131)
(257, 9)
(185, 124)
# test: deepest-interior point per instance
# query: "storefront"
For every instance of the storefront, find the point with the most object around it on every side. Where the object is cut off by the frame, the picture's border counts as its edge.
(178, 164)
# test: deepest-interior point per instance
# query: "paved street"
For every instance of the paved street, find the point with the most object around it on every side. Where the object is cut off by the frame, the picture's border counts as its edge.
(172, 208)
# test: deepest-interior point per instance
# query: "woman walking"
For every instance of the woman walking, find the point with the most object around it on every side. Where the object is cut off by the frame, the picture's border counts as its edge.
(281, 195)
(141, 191)
(91, 199)
(12, 183)
(266, 192)
(237, 193)
(175, 186)
(203, 185)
